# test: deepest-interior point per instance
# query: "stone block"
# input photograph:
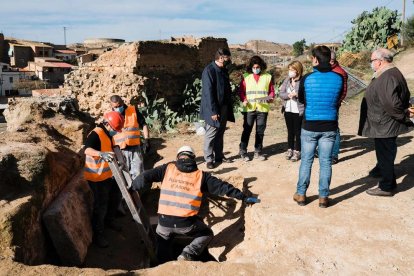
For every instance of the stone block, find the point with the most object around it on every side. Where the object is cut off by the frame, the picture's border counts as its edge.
(67, 221)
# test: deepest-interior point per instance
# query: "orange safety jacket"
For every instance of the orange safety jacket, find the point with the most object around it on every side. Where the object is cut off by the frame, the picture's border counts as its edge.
(130, 135)
(180, 192)
(96, 169)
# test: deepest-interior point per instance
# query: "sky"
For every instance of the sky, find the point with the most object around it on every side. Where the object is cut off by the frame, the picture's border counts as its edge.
(285, 21)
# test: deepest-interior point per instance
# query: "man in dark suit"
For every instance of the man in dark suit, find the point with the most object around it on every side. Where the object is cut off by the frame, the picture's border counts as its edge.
(384, 116)
(216, 107)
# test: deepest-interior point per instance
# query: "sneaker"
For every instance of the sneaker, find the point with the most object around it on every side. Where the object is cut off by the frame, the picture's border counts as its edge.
(100, 240)
(184, 256)
(210, 165)
(289, 154)
(244, 157)
(259, 156)
(295, 156)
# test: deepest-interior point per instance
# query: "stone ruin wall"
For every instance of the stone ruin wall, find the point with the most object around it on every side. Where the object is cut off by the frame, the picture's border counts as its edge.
(160, 69)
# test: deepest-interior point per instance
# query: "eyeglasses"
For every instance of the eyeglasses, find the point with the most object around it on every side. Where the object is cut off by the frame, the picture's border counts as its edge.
(372, 60)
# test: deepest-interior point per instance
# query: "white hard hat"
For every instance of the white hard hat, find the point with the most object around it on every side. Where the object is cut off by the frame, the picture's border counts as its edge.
(186, 150)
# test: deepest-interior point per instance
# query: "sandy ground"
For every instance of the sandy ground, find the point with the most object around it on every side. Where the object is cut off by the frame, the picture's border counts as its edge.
(357, 234)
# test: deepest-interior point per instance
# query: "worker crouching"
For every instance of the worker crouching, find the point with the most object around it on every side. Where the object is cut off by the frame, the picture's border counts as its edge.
(183, 186)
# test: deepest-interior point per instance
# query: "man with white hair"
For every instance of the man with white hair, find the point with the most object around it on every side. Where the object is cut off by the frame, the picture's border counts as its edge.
(182, 188)
(384, 116)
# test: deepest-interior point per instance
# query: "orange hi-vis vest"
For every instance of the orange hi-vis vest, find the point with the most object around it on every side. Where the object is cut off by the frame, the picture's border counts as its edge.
(130, 135)
(96, 169)
(180, 193)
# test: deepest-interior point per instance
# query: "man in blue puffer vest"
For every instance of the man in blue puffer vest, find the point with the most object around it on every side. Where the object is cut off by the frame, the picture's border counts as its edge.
(320, 92)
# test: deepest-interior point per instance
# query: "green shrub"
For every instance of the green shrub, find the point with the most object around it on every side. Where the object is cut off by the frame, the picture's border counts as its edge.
(371, 29)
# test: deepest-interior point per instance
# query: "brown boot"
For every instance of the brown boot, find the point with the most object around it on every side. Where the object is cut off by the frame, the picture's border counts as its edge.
(300, 199)
(323, 202)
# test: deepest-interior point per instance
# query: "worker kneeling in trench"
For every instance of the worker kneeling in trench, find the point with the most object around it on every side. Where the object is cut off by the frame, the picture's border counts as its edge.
(182, 188)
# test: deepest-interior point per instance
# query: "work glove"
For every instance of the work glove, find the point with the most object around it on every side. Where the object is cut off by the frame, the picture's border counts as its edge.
(146, 146)
(251, 200)
(107, 156)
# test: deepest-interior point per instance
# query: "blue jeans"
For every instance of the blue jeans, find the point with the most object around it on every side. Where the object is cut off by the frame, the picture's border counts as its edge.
(335, 151)
(309, 141)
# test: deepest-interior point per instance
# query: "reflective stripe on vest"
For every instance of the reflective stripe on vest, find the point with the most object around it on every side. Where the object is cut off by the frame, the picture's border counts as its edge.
(256, 90)
(96, 169)
(130, 135)
(180, 193)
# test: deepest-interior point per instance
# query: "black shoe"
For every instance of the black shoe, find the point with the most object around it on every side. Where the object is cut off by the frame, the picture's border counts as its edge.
(244, 157)
(210, 165)
(375, 172)
(100, 240)
(224, 160)
(378, 192)
(184, 256)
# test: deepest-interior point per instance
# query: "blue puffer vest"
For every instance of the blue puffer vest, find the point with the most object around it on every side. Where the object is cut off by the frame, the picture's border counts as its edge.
(322, 91)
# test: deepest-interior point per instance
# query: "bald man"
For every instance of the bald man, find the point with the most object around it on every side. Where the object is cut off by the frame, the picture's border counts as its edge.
(384, 116)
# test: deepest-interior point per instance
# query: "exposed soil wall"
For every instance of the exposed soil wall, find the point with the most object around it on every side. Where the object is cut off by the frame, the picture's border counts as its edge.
(37, 159)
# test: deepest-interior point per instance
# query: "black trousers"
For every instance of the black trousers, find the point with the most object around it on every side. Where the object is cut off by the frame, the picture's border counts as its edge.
(386, 151)
(249, 119)
(294, 125)
(107, 198)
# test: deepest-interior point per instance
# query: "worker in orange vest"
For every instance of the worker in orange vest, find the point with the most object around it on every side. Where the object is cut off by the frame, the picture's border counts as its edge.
(129, 140)
(182, 189)
(106, 193)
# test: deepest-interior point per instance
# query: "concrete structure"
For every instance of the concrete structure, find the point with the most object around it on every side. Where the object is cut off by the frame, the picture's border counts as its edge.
(65, 55)
(85, 58)
(93, 41)
(20, 55)
(9, 77)
(334, 46)
(52, 70)
(23, 51)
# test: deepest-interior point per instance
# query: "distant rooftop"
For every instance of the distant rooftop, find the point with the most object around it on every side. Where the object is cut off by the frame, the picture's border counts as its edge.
(65, 51)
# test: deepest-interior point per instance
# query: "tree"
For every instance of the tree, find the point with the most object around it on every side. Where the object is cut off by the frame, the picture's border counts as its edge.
(371, 29)
(298, 47)
(408, 31)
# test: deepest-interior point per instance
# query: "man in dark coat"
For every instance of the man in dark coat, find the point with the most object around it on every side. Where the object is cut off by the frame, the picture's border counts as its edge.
(216, 107)
(384, 116)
